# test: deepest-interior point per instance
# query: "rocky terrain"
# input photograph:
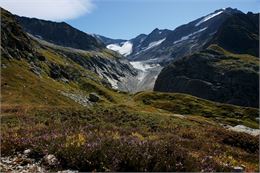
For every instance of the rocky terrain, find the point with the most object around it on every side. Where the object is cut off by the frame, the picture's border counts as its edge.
(163, 46)
(216, 73)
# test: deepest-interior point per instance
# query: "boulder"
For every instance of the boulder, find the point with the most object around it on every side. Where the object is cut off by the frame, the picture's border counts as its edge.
(51, 160)
(238, 169)
(93, 97)
(27, 151)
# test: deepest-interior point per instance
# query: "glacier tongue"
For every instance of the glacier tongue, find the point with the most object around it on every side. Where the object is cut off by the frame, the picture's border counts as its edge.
(147, 74)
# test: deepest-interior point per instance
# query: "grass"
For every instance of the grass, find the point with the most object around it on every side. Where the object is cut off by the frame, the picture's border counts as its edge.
(87, 139)
(236, 61)
(189, 105)
(122, 132)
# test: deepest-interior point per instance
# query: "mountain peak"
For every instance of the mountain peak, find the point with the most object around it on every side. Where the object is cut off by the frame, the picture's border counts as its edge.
(230, 10)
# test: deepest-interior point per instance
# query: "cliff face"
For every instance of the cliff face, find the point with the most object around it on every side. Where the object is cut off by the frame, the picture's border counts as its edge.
(214, 76)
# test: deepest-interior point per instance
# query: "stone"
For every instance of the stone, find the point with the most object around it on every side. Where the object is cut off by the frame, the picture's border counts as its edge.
(26, 152)
(51, 160)
(3, 66)
(238, 169)
(93, 97)
(64, 80)
(41, 58)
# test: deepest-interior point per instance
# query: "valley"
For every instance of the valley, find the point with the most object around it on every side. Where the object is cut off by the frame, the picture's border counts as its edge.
(182, 100)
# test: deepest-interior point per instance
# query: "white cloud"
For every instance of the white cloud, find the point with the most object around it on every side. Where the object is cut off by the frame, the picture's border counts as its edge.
(56, 10)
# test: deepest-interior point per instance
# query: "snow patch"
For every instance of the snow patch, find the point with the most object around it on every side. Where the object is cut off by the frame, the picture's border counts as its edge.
(141, 65)
(208, 17)
(125, 49)
(144, 68)
(245, 129)
(154, 44)
(39, 36)
(113, 82)
(188, 36)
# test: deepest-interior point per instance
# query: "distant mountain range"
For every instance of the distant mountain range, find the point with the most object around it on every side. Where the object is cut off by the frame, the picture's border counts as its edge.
(165, 45)
(226, 33)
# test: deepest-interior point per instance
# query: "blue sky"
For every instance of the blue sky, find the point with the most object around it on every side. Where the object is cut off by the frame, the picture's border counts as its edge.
(123, 18)
(128, 18)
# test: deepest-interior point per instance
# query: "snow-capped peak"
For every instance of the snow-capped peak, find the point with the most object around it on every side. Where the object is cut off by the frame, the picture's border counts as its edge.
(208, 17)
(125, 49)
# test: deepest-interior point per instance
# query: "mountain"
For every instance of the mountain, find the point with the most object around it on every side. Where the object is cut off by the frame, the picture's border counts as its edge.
(107, 40)
(64, 64)
(154, 51)
(239, 34)
(226, 71)
(186, 39)
(147, 70)
(138, 44)
(59, 33)
(165, 45)
(59, 113)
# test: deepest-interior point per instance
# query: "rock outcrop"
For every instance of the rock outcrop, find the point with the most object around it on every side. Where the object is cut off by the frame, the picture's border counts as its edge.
(213, 76)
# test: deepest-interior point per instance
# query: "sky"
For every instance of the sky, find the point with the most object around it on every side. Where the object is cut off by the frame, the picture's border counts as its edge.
(124, 19)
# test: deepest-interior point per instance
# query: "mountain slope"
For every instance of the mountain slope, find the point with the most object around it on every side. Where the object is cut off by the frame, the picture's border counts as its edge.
(33, 74)
(58, 69)
(239, 34)
(107, 40)
(214, 74)
(84, 50)
(217, 74)
(187, 39)
(59, 33)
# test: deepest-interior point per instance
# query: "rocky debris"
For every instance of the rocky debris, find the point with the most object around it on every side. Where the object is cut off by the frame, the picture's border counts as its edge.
(68, 171)
(64, 80)
(35, 69)
(26, 152)
(242, 128)
(51, 160)
(3, 66)
(93, 97)
(238, 169)
(206, 164)
(178, 115)
(79, 98)
(21, 162)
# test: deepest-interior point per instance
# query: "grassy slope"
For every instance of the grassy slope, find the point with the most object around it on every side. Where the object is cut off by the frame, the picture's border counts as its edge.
(124, 127)
(236, 61)
(188, 105)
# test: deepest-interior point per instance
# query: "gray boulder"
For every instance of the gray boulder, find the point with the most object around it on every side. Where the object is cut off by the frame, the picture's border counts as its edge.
(93, 97)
